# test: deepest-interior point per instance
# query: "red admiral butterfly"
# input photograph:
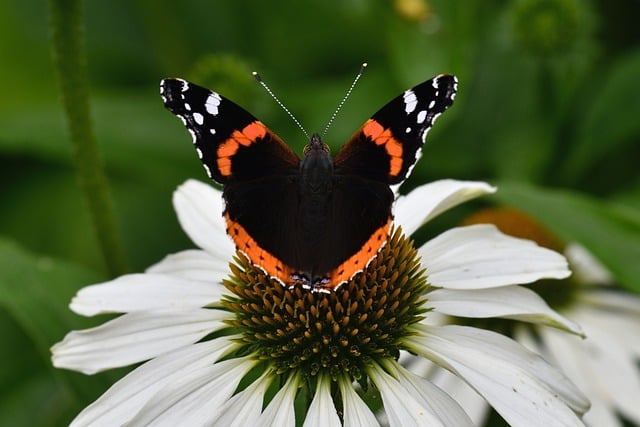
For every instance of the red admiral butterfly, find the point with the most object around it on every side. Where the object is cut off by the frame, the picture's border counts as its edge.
(314, 222)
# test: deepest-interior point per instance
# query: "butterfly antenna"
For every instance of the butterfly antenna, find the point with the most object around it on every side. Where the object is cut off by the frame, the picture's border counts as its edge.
(353, 85)
(268, 89)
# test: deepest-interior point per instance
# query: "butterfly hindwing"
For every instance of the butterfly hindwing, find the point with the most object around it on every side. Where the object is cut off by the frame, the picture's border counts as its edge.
(386, 146)
(231, 143)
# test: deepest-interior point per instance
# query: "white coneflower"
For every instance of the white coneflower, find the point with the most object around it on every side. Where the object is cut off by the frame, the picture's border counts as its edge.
(605, 364)
(234, 347)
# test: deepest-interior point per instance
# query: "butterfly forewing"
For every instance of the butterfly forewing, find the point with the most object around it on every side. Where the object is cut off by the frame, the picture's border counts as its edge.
(387, 146)
(231, 143)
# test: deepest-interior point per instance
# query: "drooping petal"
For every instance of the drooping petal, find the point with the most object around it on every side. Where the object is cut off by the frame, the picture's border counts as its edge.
(613, 376)
(428, 201)
(519, 384)
(143, 292)
(587, 268)
(322, 412)
(600, 413)
(408, 402)
(125, 398)
(473, 404)
(193, 264)
(611, 323)
(618, 302)
(440, 403)
(132, 338)
(195, 399)
(244, 408)
(480, 256)
(356, 412)
(199, 208)
(280, 411)
(511, 302)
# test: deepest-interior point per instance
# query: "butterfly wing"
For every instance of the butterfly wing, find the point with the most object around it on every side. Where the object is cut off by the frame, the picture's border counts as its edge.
(231, 143)
(387, 146)
(258, 170)
(381, 153)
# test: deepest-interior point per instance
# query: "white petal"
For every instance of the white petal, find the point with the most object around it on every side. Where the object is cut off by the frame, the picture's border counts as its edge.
(356, 412)
(427, 201)
(199, 208)
(244, 408)
(280, 411)
(600, 366)
(132, 338)
(144, 292)
(440, 403)
(403, 406)
(601, 415)
(616, 301)
(196, 398)
(123, 400)
(193, 264)
(480, 256)
(519, 384)
(511, 302)
(586, 268)
(322, 412)
(614, 324)
(474, 405)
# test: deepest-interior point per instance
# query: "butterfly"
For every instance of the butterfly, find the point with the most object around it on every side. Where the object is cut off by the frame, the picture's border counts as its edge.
(318, 221)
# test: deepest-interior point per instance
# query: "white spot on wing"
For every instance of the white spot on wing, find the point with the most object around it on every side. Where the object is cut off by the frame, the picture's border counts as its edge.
(212, 103)
(407, 130)
(418, 155)
(421, 116)
(212, 131)
(206, 168)
(185, 85)
(199, 118)
(199, 151)
(193, 135)
(410, 101)
(187, 106)
(432, 104)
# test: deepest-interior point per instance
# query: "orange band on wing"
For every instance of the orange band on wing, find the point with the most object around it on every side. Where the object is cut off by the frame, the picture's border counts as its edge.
(358, 261)
(384, 137)
(258, 256)
(247, 136)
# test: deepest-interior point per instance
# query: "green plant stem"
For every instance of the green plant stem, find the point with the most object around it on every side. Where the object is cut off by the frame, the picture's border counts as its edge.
(70, 63)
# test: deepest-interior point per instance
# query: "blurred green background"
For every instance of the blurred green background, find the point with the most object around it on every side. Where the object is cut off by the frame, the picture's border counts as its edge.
(548, 109)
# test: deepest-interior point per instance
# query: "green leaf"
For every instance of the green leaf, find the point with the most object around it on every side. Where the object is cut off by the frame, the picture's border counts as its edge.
(38, 400)
(35, 291)
(609, 231)
(611, 121)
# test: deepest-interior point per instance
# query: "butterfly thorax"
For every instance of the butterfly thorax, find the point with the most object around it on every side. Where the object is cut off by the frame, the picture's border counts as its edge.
(316, 180)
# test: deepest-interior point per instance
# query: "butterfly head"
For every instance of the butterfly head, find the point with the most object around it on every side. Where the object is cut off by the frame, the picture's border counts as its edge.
(317, 165)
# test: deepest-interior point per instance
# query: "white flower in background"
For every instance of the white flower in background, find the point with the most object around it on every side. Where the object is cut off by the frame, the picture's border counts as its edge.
(232, 347)
(605, 365)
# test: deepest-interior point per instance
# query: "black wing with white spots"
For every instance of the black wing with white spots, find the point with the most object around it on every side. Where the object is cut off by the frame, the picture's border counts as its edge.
(231, 143)
(388, 145)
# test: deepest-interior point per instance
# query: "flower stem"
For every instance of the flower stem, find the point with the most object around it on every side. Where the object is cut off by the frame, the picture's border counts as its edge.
(70, 63)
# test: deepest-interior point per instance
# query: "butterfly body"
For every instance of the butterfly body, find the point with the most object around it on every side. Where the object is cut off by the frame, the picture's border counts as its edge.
(316, 221)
